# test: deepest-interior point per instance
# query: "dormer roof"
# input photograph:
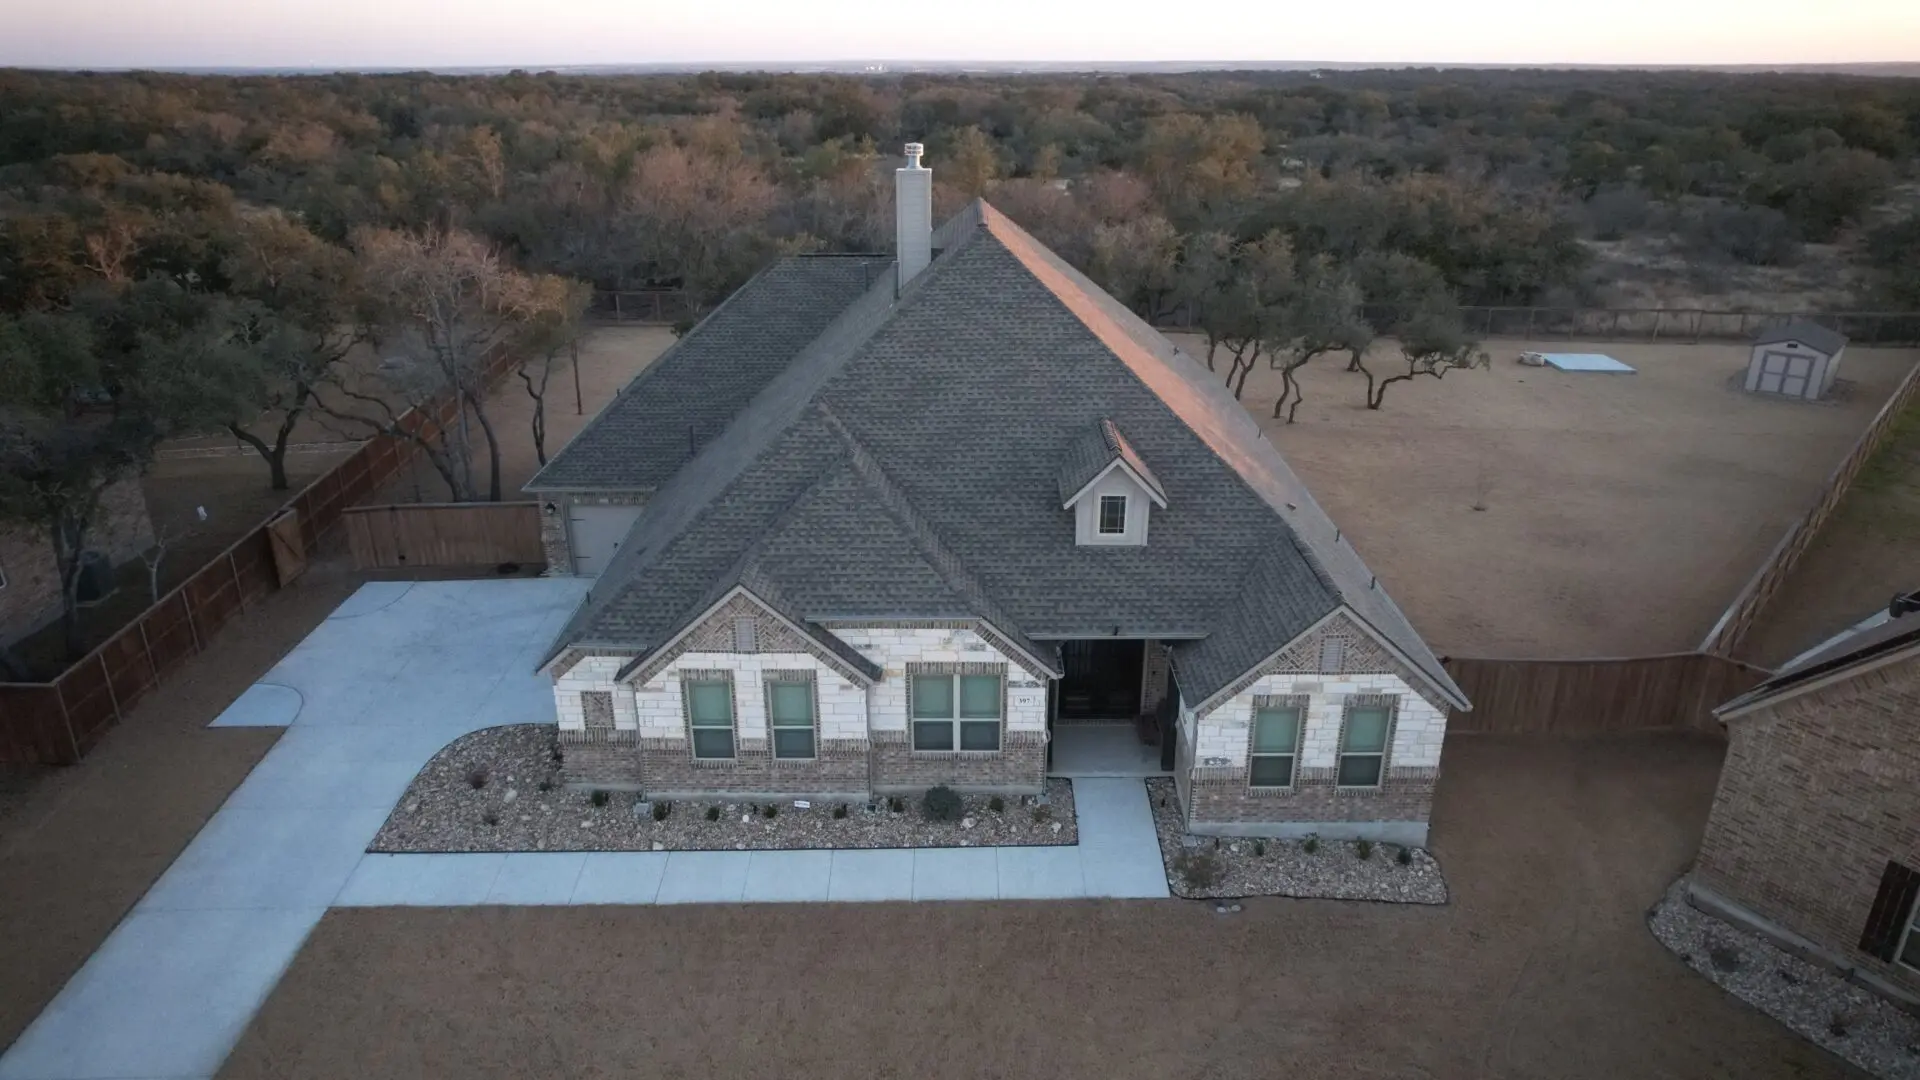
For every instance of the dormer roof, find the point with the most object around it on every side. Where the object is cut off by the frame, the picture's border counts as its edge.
(1097, 451)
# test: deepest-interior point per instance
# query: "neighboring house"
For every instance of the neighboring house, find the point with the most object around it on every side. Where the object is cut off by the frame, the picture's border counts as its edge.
(1797, 359)
(869, 528)
(30, 577)
(1814, 838)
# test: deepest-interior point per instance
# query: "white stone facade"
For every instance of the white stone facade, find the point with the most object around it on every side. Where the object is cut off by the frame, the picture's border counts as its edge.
(1221, 736)
(893, 648)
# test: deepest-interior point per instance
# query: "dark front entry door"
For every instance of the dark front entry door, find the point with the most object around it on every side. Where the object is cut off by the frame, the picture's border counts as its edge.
(1101, 679)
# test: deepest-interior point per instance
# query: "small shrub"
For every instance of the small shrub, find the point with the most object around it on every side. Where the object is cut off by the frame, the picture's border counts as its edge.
(1259, 847)
(770, 811)
(557, 755)
(942, 803)
(1839, 1023)
(477, 777)
(545, 785)
(661, 810)
(713, 813)
(839, 811)
(1724, 957)
(896, 804)
(1199, 868)
(1364, 849)
(490, 818)
(1405, 858)
(996, 804)
(599, 797)
(1042, 814)
(1311, 845)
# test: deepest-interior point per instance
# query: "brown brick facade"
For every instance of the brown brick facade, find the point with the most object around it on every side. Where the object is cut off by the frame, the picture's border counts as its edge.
(1019, 766)
(599, 757)
(670, 769)
(1221, 795)
(1817, 794)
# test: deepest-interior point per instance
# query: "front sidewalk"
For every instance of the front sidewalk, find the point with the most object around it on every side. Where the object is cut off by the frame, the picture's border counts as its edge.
(397, 672)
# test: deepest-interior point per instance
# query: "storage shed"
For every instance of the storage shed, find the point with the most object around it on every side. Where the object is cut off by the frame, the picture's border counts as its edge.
(1796, 359)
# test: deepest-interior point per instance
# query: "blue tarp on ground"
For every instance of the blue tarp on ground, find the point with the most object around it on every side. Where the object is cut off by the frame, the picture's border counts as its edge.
(1586, 362)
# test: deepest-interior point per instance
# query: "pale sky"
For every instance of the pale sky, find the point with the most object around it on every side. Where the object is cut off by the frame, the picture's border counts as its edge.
(535, 33)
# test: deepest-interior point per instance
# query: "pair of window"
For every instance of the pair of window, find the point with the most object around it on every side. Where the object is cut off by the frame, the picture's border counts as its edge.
(1276, 746)
(789, 717)
(956, 712)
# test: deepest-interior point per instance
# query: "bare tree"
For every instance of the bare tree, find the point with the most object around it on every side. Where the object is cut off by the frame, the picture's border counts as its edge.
(555, 330)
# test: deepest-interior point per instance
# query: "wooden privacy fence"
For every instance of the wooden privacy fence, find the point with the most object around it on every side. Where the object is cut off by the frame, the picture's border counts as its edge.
(444, 534)
(59, 721)
(1582, 697)
(1731, 629)
(663, 306)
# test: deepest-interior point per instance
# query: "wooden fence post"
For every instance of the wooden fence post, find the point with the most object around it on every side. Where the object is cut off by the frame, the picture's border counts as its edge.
(107, 677)
(239, 590)
(146, 646)
(66, 718)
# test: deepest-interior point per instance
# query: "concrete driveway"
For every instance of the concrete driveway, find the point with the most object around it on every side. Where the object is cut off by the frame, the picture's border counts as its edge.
(394, 674)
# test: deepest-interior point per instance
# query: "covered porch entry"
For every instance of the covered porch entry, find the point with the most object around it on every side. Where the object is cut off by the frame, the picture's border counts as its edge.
(1112, 710)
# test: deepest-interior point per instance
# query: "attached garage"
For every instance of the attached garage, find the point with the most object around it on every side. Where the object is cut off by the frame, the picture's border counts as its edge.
(594, 533)
(1796, 359)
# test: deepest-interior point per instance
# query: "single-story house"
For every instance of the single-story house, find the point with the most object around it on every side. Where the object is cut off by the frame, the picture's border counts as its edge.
(877, 524)
(1797, 358)
(1814, 836)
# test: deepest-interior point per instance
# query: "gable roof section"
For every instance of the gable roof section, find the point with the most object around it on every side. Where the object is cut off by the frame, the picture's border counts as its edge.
(688, 396)
(911, 457)
(1805, 331)
(1093, 453)
(1891, 640)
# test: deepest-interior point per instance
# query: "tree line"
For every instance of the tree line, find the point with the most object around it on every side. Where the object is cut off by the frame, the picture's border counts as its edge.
(191, 254)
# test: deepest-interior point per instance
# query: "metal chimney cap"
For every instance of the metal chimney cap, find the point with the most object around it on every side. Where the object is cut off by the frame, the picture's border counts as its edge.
(914, 150)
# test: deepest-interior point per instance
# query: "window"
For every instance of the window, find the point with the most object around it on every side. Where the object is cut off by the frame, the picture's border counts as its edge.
(1113, 515)
(790, 715)
(1889, 934)
(710, 714)
(1910, 944)
(1363, 746)
(745, 635)
(956, 712)
(1276, 746)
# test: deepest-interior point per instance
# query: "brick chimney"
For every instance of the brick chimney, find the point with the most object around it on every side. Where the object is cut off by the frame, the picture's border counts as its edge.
(912, 216)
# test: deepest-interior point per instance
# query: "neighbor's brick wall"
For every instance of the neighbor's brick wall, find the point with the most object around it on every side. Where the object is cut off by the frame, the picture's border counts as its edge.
(1223, 734)
(31, 598)
(553, 527)
(1816, 795)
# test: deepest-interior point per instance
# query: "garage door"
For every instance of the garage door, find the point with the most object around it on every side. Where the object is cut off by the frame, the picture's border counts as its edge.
(1785, 373)
(597, 532)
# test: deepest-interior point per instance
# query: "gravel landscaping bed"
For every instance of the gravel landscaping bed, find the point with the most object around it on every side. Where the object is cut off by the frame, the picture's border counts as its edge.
(1815, 1002)
(500, 790)
(1206, 867)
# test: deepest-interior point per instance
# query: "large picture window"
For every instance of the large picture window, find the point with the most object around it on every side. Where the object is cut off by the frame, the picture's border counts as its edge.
(1276, 746)
(790, 715)
(710, 715)
(1363, 745)
(956, 712)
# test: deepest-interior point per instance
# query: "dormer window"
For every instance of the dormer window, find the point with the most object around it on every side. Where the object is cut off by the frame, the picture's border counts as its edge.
(1109, 489)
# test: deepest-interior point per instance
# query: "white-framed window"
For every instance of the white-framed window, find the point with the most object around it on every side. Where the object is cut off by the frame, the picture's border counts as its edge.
(1363, 745)
(956, 712)
(1909, 954)
(710, 716)
(790, 717)
(1276, 746)
(1113, 515)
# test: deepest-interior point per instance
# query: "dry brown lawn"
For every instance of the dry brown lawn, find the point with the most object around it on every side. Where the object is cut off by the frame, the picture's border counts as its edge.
(1541, 967)
(1622, 512)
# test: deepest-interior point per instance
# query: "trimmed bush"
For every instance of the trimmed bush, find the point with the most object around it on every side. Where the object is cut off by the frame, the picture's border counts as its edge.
(942, 803)
(713, 813)
(997, 804)
(839, 811)
(1363, 848)
(897, 804)
(1405, 858)
(599, 797)
(477, 777)
(661, 810)
(1310, 845)
(770, 811)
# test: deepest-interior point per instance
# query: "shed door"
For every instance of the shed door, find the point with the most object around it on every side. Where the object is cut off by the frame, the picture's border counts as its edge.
(596, 533)
(1785, 373)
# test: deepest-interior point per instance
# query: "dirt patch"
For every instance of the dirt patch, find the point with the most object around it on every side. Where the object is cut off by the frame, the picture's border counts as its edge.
(1542, 966)
(1621, 512)
(79, 845)
(501, 790)
(1863, 555)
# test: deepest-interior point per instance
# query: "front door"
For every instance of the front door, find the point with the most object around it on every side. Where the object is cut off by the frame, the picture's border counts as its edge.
(1101, 679)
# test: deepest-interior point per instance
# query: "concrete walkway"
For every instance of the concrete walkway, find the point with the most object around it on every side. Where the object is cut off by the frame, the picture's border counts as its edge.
(397, 672)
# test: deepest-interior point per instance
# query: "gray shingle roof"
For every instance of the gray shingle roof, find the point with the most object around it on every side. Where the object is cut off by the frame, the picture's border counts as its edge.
(908, 463)
(688, 395)
(1099, 447)
(1806, 332)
